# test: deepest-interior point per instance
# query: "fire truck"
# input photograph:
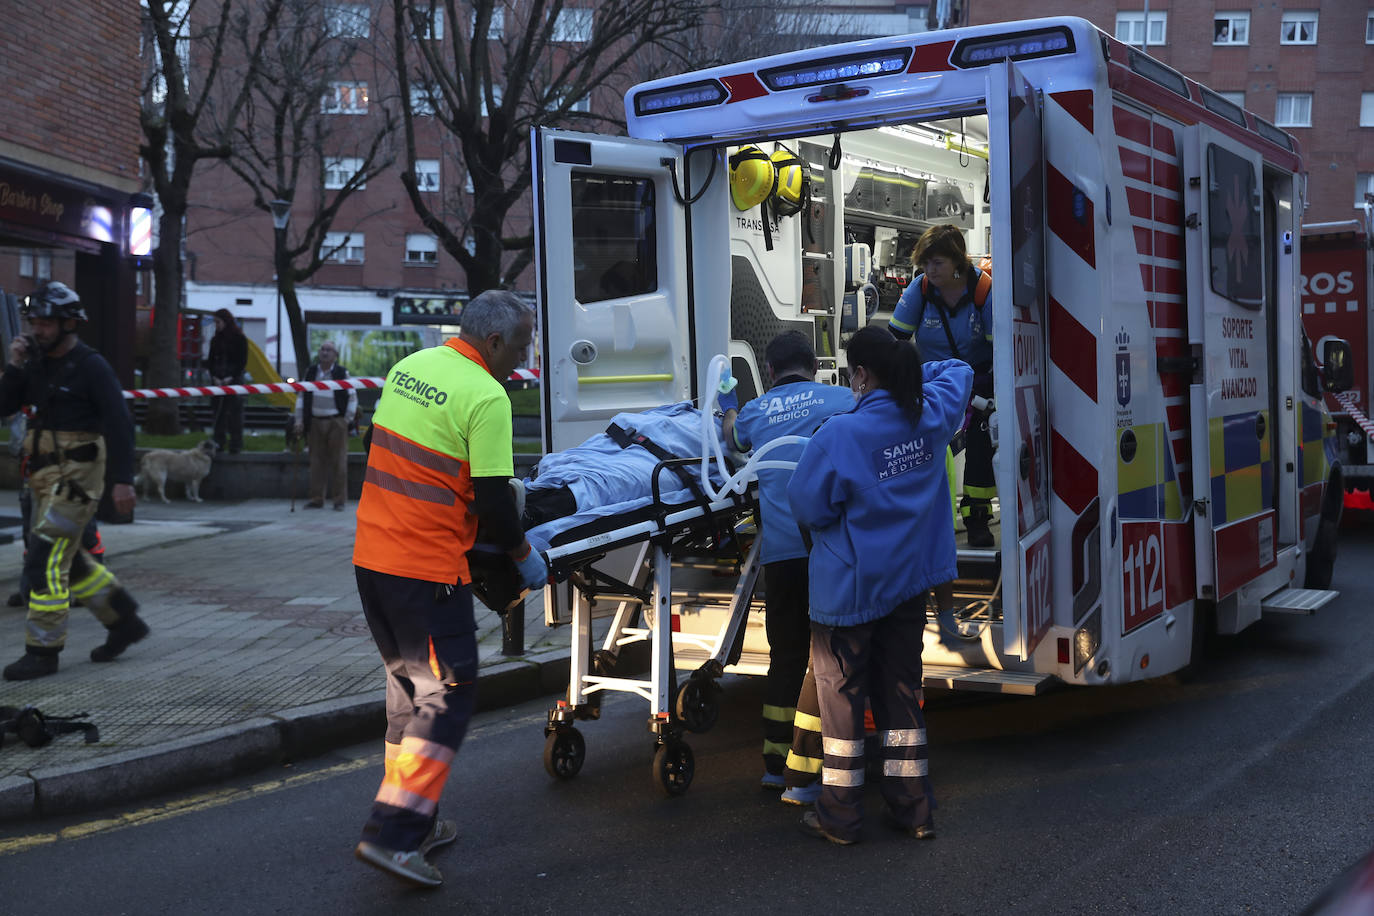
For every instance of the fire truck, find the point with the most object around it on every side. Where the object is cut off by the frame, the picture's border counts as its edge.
(1163, 462)
(1337, 276)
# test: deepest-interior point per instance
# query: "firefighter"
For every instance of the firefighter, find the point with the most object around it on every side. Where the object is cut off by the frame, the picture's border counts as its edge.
(871, 487)
(79, 417)
(439, 460)
(944, 307)
(795, 405)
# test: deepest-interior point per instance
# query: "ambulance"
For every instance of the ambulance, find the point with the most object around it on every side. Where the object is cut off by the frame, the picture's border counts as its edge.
(1163, 462)
(1337, 276)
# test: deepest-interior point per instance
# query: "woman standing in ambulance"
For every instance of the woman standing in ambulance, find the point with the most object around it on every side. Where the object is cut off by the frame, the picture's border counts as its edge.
(869, 479)
(944, 307)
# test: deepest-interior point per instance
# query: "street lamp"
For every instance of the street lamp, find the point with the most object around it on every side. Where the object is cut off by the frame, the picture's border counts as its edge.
(281, 215)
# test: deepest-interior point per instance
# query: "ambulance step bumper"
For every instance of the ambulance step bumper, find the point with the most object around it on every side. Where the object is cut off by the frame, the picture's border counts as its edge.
(986, 680)
(1297, 601)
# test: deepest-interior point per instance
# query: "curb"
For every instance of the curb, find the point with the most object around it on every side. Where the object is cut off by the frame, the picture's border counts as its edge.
(251, 745)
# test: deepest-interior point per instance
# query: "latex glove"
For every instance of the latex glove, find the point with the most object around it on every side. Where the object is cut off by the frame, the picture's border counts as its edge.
(534, 572)
(725, 394)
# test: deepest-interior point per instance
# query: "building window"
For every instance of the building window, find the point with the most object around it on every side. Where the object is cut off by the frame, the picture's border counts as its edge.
(1231, 29)
(427, 174)
(429, 22)
(345, 98)
(1236, 98)
(422, 101)
(467, 182)
(1130, 28)
(1294, 109)
(496, 28)
(343, 247)
(1369, 29)
(574, 24)
(1367, 109)
(35, 264)
(1364, 187)
(422, 249)
(496, 93)
(582, 105)
(346, 20)
(337, 173)
(1298, 28)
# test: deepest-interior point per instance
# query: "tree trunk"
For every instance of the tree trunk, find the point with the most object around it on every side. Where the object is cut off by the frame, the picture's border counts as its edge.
(164, 364)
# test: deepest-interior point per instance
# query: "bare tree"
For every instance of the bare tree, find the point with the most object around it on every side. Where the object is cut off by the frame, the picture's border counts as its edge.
(187, 80)
(289, 147)
(487, 72)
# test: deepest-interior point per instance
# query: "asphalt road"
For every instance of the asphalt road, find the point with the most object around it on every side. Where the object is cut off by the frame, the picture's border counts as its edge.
(1244, 789)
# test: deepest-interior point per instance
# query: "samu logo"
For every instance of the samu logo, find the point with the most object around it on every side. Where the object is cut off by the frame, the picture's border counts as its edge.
(1123, 368)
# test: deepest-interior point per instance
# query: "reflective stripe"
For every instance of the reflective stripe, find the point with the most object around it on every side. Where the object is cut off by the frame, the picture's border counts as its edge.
(98, 579)
(52, 574)
(803, 764)
(39, 635)
(806, 721)
(48, 603)
(421, 491)
(778, 713)
(776, 747)
(848, 778)
(979, 492)
(904, 737)
(425, 748)
(434, 662)
(906, 767)
(385, 438)
(395, 796)
(842, 747)
(900, 325)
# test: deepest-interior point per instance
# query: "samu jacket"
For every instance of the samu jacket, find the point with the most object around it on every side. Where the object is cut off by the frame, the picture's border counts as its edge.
(872, 488)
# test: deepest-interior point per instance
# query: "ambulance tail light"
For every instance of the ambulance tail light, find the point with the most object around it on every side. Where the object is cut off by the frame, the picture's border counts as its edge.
(701, 94)
(1087, 639)
(1028, 45)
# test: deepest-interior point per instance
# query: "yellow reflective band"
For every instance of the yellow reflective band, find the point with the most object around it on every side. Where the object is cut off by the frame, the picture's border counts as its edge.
(52, 573)
(803, 764)
(778, 713)
(980, 492)
(48, 603)
(776, 747)
(98, 579)
(807, 722)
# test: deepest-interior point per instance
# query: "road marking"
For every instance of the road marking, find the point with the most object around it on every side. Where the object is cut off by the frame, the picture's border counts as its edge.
(202, 802)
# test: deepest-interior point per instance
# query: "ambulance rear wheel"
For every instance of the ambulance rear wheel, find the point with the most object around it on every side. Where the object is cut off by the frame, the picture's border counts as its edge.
(564, 752)
(697, 706)
(673, 767)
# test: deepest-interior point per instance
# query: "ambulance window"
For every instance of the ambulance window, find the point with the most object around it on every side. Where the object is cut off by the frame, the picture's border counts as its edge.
(614, 245)
(1233, 220)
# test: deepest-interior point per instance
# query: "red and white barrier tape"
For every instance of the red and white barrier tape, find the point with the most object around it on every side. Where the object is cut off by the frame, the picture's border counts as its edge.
(1347, 400)
(519, 375)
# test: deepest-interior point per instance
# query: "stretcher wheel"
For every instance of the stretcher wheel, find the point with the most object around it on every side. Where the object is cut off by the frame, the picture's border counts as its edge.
(673, 767)
(564, 752)
(697, 706)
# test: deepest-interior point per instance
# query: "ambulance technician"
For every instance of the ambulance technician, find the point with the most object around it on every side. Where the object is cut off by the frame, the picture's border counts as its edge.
(872, 481)
(795, 405)
(440, 459)
(945, 308)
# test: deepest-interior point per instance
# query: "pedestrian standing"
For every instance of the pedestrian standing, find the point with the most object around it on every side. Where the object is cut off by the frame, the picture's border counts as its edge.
(440, 461)
(871, 487)
(79, 418)
(228, 360)
(326, 419)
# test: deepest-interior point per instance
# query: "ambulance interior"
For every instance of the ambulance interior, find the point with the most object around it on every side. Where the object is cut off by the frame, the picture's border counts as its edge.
(850, 254)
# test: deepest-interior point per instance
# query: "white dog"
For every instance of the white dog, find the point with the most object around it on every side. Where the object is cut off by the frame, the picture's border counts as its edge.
(188, 466)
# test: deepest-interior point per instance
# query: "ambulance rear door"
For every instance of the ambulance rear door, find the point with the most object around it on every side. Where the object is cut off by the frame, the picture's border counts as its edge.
(1235, 519)
(1019, 370)
(612, 257)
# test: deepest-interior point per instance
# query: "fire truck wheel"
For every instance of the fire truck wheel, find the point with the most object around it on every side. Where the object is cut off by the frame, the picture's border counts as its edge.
(564, 752)
(673, 767)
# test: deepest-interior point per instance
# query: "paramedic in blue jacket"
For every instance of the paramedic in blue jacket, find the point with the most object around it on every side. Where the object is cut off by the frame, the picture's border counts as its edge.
(795, 405)
(872, 489)
(944, 307)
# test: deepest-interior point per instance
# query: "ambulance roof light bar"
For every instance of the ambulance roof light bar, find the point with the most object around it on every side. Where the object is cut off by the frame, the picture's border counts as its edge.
(836, 69)
(1028, 45)
(701, 94)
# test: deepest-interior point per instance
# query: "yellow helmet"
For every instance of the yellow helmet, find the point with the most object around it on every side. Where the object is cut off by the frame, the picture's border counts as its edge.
(752, 177)
(794, 179)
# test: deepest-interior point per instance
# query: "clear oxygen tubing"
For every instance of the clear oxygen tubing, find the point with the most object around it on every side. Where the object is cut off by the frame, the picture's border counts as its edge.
(711, 446)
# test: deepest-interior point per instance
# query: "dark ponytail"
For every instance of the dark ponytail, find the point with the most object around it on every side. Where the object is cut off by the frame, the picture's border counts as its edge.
(895, 363)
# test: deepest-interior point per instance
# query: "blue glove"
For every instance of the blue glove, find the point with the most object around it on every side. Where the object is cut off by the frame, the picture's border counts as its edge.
(534, 572)
(726, 397)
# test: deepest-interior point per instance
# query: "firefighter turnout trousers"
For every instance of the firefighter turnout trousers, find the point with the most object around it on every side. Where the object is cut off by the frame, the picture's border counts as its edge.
(427, 636)
(65, 497)
(788, 624)
(879, 662)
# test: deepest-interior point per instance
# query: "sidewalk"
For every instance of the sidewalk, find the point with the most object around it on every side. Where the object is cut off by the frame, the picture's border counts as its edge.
(259, 652)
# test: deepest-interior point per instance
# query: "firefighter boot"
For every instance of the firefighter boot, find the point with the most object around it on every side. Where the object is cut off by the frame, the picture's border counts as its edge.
(977, 514)
(34, 663)
(128, 630)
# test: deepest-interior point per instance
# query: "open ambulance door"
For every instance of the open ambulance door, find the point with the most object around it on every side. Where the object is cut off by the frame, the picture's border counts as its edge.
(612, 256)
(1234, 518)
(1020, 376)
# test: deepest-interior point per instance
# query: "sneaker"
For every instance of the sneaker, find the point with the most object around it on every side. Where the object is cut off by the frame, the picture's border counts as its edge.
(120, 637)
(31, 666)
(924, 831)
(314, 505)
(773, 781)
(811, 826)
(802, 795)
(441, 834)
(408, 866)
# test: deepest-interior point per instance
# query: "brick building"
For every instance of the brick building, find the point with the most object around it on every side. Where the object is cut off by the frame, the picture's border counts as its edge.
(69, 161)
